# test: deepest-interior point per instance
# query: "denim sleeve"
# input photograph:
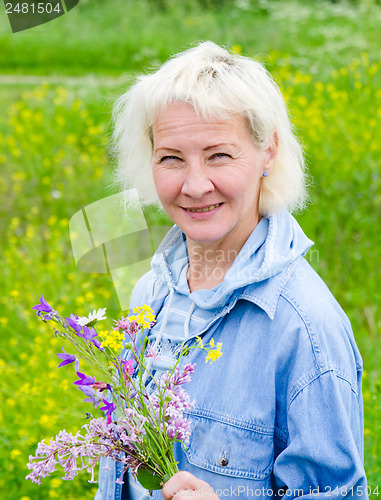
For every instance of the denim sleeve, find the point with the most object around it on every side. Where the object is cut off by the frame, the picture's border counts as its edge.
(109, 471)
(324, 452)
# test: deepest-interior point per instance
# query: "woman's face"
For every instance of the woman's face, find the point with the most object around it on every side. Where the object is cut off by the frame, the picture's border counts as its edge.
(208, 174)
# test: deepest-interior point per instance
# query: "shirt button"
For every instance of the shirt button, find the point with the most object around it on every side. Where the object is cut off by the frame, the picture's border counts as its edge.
(224, 461)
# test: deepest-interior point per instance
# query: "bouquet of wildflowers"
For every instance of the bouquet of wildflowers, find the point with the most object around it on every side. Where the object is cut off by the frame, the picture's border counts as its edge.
(140, 418)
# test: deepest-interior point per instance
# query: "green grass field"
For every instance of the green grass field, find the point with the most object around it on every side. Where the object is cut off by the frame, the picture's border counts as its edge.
(57, 84)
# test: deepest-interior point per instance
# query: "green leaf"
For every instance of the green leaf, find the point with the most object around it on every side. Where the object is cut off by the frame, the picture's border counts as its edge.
(148, 480)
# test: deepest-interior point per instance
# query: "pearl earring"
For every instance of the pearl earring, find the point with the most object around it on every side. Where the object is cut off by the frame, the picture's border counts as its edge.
(265, 173)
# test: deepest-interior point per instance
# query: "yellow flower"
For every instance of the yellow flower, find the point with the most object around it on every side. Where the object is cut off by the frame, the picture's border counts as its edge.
(143, 315)
(113, 340)
(45, 420)
(55, 482)
(213, 355)
(15, 454)
(237, 49)
(199, 341)
(302, 101)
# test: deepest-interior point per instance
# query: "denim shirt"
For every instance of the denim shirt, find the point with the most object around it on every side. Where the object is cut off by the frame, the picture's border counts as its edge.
(280, 413)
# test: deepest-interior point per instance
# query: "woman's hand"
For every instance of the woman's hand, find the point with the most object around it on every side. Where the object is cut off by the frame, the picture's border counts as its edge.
(183, 483)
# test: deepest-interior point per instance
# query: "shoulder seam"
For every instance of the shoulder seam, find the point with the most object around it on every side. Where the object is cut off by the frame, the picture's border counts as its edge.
(314, 376)
(307, 323)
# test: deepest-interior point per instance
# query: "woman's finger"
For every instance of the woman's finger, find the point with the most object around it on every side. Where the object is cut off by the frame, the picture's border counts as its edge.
(176, 487)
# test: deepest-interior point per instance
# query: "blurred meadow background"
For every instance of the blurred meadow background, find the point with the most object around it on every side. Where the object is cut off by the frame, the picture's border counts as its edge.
(57, 85)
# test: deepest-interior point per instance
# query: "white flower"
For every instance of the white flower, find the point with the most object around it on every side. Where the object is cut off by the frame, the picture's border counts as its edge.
(93, 317)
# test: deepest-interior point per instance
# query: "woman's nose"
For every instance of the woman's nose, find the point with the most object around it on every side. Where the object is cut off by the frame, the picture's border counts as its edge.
(197, 183)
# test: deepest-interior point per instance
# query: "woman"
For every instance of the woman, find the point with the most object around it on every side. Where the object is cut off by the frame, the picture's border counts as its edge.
(208, 137)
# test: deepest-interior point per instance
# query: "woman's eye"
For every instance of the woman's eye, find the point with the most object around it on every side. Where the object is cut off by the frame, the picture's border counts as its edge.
(220, 155)
(169, 157)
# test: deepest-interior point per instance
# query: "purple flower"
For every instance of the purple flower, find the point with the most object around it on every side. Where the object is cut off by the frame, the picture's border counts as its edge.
(179, 428)
(98, 344)
(179, 378)
(92, 395)
(67, 358)
(74, 453)
(43, 306)
(88, 333)
(109, 407)
(84, 379)
(73, 324)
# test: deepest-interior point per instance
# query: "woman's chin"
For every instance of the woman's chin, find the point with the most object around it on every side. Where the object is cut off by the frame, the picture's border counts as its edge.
(203, 235)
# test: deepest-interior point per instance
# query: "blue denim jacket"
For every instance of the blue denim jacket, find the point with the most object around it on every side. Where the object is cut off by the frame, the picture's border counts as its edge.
(281, 411)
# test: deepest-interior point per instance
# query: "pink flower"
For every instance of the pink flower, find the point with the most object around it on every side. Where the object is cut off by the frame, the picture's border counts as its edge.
(152, 354)
(100, 386)
(129, 367)
(122, 323)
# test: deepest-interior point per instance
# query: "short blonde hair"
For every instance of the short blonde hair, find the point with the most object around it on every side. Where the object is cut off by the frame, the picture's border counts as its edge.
(216, 83)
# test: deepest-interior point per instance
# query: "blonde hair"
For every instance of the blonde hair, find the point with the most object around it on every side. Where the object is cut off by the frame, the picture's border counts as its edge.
(216, 83)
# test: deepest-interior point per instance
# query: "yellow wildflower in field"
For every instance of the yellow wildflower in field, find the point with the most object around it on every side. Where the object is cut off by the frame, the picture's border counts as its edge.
(71, 139)
(15, 453)
(237, 49)
(55, 482)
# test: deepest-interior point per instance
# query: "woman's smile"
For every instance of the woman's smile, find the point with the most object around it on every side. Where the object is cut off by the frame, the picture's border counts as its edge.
(204, 212)
(204, 209)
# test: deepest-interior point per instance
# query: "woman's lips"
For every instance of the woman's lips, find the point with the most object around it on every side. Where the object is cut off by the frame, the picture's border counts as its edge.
(202, 212)
(204, 209)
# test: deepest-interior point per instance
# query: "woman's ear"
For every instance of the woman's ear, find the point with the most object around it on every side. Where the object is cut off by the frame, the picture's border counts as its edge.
(271, 151)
